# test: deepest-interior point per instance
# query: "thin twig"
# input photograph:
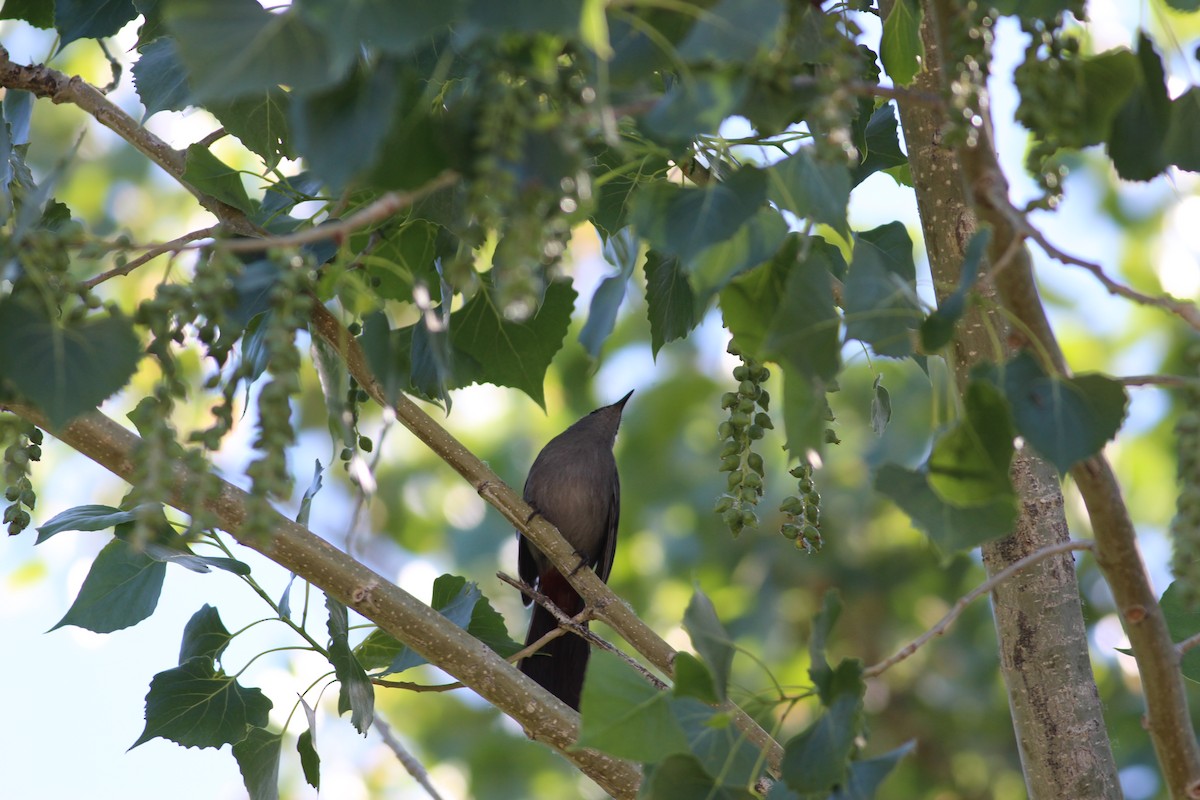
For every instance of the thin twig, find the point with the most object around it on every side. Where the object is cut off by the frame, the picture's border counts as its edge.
(1185, 310)
(411, 765)
(980, 590)
(1170, 381)
(153, 252)
(1188, 643)
(212, 138)
(379, 210)
(578, 625)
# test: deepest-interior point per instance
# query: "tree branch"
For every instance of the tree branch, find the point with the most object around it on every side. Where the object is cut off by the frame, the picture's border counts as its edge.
(578, 626)
(152, 252)
(394, 610)
(41, 81)
(1185, 310)
(1168, 719)
(48, 83)
(956, 611)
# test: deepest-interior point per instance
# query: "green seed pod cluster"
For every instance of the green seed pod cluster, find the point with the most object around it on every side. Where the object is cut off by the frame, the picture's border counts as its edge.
(802, 511)
(154, 458)
(1052, 107)
(526, 183)
(747, 422)
(352, 440)
(24, 446)
(1185, 526)
(291, 305)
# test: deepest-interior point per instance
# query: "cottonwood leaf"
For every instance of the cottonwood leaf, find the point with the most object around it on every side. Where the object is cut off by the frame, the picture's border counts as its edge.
(196, 705)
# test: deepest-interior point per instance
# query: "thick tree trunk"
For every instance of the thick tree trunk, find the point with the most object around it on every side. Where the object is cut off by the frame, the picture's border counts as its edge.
(1057, 716)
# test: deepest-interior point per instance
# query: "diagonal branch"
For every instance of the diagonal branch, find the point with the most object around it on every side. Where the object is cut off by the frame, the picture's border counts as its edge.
(47, 83)
(394, 610)
(1185, 310)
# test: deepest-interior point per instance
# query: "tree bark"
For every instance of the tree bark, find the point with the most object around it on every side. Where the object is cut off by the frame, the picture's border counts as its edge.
(1057, 716)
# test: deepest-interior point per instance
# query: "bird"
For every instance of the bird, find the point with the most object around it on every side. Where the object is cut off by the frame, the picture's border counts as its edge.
(573, 484)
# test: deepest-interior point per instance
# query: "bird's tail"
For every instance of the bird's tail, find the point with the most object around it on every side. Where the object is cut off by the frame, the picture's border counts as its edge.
(559, 666)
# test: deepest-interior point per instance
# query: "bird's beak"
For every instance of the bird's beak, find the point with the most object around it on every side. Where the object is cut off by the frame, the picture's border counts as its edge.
(621, 403)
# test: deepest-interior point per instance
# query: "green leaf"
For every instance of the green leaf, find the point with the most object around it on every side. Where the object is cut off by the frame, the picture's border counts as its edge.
(160, 78)
(617, 180)
(235, 47)
(901, 49)
(214, 177)
(827, 617)
(1182, 145)
(314, 486)
(693, 679)
(90, 19)
(196, 705)
(459, 601)
(260, 122)
(732, 31)
(938, 328)
(85, 518)
(394, 28)
(185, 558)
(525, 16)
(716, 742)
(1108, 79)
(1183, 621)
(310, 761)
(620, 250)
(950, 527)
(341, 130)
(403, 259)
(455, 599)
(880, 291)
(817, 759)
(810, 188)
(804, 413)
(670, 301)
(697, 105)
(1187, 6)
(754, 243)
(1065, 419)
(18, 113)
(784, 312)
(1139, 129)
(120, 590)
(258, 760)
(969, 463)
(804, 330)
(356, 694)
(37, 13)
(510, 353)
(684, 221)
(866, 776)
(882, 142)
(487, 625)
(65, 369)
(710, 639)
(881, 407)
(625, 716)
(204, 636)
(681, 776)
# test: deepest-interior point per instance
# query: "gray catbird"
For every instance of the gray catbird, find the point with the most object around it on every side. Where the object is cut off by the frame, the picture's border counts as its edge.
(573, 484)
